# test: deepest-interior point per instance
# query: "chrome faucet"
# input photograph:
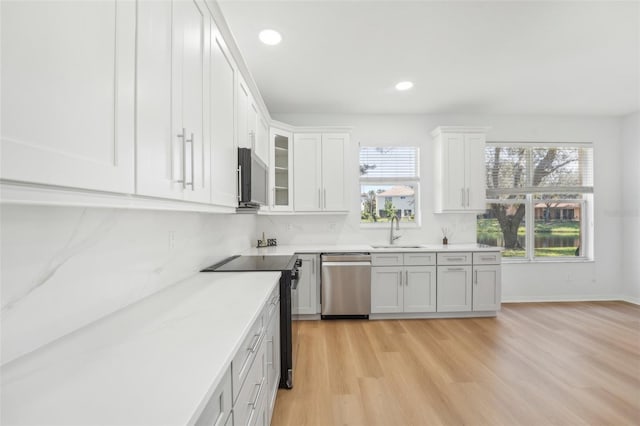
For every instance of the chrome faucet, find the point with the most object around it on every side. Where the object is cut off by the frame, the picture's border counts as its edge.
(392, 238)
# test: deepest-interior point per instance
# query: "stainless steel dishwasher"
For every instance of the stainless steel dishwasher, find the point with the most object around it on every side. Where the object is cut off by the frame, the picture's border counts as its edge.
(346, 285)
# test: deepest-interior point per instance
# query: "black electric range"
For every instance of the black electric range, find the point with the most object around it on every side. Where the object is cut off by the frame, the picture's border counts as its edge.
(288, 266)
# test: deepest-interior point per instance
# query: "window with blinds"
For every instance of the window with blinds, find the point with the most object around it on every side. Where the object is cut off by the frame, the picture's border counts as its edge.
(538, 198)
(389, 185)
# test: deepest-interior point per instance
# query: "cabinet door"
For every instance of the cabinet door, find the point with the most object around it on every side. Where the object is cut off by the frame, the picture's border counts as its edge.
(273, 358)
(420, 289)
(68, 71)
(307, 174)
(252, 124)
(242, 114)
(386, 289)
(486, 288)
(224, 155)
(333, 180)
(262, 140)
(475, 196)
(307, 287)
(281, 170)
(192, 18)
(453, 169)
(454, 288)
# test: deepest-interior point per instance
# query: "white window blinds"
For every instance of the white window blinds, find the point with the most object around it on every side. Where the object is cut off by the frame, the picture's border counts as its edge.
(378, 163)
(521, 169)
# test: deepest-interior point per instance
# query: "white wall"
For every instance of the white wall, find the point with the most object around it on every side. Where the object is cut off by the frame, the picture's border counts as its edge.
(64, 267)
(631, 207)
(567, 281)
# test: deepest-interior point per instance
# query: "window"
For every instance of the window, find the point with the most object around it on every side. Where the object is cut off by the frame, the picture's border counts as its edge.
(389, 184)
(538, 200)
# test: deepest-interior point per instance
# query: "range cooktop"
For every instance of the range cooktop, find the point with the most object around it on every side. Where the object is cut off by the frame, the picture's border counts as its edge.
(254, 263)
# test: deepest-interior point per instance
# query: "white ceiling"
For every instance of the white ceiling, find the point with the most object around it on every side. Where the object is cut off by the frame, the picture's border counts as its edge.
(505, 57)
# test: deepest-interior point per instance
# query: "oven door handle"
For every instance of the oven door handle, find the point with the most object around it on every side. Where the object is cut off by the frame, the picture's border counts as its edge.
(294, 284)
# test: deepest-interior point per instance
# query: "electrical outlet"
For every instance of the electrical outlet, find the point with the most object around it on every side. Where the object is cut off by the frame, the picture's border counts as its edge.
(172, 240)
(289, 227)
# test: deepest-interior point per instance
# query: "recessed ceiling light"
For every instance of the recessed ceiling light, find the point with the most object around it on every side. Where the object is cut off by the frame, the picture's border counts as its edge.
(404, 85)
(270, 37)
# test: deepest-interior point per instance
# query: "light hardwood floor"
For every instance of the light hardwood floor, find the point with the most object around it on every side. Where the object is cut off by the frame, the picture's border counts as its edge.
(535, 364)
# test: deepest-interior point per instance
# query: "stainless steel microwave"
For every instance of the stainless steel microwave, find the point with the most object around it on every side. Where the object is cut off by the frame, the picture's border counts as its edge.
(253, 177)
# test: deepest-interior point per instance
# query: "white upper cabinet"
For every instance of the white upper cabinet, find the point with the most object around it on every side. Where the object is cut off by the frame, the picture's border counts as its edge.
(281, 170)
(262, 139)
(307, 164)
(224, 153)
(459, 169)
(242, 114)
(173, 157)
(319, 171)
(68, 71)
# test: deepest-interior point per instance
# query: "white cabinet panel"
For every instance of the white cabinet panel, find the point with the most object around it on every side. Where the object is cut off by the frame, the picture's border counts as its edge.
(459, 169)
(333, 181)
(173, 140)
(386, 289)
(68, 71)
(420, 289)
(306, 293)
(242, 114)
(262, 140)
(486, 288)
(454, 288)
(224, 153)
(307, 172)
(319, 171)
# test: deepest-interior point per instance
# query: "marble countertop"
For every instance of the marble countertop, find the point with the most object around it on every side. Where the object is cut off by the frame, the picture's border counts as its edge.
(326, 248)
(154, 362)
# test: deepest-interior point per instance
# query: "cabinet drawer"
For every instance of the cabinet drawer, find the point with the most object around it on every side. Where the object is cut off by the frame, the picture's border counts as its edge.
(454, 258)
(242, 361)
(247, 406)
(487, 258)
(217, 410)
(272, 304)
(426, 259)
(386, 259)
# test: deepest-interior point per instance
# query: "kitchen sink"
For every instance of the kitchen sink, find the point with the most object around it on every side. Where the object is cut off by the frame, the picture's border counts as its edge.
(400, 246)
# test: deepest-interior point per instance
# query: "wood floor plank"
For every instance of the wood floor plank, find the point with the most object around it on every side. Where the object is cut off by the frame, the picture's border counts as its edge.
(535, 364)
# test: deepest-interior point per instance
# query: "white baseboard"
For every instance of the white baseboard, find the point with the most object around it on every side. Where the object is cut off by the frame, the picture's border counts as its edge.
(629, 299)
(571, 298)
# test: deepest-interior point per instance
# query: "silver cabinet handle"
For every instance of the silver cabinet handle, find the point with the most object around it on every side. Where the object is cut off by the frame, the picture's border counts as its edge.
(255, 399)
(400, 274)
(273, 191)
(325, 198)
(313, 266)
(468, 202)
(190, 141)
(253, 347)
(455, 269)
(181, 136)
(462, 197)
(455, 258)
(406, 276)
(319, 199)
(475, 277)
(270, 341)
(239, 183)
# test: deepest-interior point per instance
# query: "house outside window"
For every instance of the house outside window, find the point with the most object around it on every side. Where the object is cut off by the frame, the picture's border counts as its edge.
(539, 200)
(389, 185)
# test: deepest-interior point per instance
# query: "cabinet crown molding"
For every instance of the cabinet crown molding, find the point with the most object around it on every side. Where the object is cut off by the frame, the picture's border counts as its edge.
(459, 129)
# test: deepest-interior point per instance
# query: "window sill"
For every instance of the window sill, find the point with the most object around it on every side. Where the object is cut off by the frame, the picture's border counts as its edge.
(506, 260)
(386, 226)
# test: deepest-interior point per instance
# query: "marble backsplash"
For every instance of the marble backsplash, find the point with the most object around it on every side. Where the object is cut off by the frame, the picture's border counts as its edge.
(65, 267)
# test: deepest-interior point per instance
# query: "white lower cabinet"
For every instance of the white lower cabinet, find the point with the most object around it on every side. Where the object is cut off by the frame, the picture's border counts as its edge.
(486, 288)
(217, 412)
(246, 394)
(409, 289)
(305, 297)
(454, 288)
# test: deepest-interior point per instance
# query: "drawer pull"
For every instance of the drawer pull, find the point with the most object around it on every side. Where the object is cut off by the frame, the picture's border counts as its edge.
(255, 399)
(488, 258)
(455, 269)
(455, 258)
(253, 347)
